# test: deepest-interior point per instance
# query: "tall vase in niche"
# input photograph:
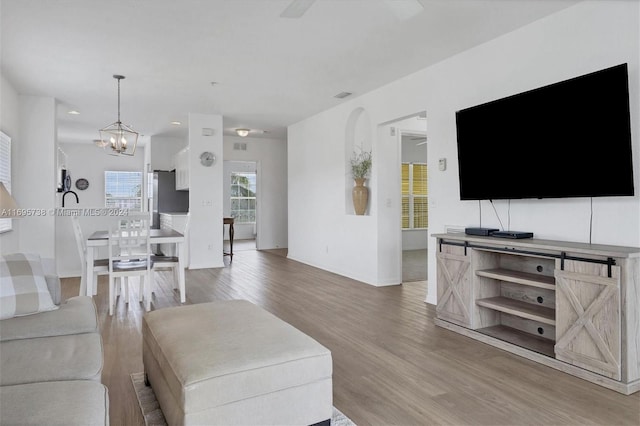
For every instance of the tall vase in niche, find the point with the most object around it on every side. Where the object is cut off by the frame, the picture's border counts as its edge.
(360, 194)
(360, 168)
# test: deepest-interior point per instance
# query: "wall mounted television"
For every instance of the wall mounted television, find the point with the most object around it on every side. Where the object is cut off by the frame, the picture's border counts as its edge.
(567, 139)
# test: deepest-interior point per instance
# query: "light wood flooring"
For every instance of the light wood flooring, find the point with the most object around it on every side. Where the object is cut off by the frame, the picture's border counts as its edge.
(392, 365)
(414, 265)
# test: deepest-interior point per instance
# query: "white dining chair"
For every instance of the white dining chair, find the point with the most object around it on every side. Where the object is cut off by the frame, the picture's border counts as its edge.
(100, 266)
(130, 255)
(160, 261)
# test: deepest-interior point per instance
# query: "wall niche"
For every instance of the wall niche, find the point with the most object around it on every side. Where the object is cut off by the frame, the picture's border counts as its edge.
(357, 139)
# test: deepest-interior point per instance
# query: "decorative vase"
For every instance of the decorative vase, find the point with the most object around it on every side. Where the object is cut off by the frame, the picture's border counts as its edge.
(360, 194)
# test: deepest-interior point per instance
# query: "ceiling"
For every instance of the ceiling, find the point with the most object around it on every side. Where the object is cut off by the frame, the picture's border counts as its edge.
(269, 71)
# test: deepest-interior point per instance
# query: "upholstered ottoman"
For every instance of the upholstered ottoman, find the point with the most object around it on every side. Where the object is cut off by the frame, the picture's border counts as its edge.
(231, 362)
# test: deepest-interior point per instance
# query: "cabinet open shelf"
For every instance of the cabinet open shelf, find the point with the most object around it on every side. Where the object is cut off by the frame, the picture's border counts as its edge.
(520, 309)
(519, 277)
(520, 338)
(504, 293)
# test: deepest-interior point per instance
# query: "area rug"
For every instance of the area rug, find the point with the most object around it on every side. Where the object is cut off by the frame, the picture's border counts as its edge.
(153, 414)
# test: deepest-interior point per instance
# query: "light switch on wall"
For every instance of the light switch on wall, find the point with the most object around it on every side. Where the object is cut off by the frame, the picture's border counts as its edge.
(442, 164)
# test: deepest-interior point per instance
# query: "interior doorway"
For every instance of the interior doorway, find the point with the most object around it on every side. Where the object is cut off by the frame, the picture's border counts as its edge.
(414, 185)
(405, 224)
(240, 201)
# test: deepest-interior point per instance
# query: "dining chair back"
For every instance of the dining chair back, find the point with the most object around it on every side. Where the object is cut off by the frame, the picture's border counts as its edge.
(100, 266)
(130, 255)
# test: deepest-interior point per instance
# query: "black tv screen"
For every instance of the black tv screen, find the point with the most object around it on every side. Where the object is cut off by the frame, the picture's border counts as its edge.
(568, 139)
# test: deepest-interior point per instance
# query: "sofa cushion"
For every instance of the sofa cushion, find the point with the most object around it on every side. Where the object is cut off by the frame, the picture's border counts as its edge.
(23, 287)
(46, 359)
(76, 315)
(55, 403)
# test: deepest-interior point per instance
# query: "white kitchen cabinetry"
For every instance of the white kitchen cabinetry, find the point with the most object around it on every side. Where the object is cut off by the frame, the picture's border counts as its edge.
(181, 162)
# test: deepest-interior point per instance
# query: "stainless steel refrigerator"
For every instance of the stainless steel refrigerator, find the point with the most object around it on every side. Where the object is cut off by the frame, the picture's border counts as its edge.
(165, 198)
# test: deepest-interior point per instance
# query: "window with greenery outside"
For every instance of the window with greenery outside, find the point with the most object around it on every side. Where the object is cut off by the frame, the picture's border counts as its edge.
(243, 197)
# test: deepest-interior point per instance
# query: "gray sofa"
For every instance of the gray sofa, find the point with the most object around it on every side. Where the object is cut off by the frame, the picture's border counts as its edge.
(51, 364)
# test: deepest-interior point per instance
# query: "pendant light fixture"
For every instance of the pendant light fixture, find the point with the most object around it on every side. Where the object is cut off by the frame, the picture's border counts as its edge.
(119, 138)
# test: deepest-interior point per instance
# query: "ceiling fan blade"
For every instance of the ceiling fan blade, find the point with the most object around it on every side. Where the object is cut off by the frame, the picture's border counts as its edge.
(296, 8)
(404, 9)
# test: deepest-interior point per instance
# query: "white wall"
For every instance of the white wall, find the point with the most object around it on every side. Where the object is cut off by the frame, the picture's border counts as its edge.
(9, 124)
(34, 170)
(205, 193)
(271, 158)
(589, 36)
(85, 160)
(163, 149)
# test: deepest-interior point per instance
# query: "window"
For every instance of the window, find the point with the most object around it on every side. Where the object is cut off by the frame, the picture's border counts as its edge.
(243, 197)
(123, 190)
(5, 174)
(415, 211)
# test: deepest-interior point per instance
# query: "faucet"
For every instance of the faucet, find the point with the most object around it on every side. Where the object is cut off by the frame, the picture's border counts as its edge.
(65, 194)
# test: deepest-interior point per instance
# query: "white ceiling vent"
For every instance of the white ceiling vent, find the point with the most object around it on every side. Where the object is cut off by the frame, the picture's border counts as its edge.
(343, 95)
(239, 146)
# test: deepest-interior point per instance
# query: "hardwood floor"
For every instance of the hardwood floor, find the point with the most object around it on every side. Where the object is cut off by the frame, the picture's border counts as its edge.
(392, 365)
(414, 265)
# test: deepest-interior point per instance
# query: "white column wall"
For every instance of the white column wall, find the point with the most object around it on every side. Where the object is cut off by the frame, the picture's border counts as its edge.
(586, 37)
(35, 173)
(205, 193)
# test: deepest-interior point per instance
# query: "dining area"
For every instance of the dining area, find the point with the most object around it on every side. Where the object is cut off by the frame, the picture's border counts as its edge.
(125, 249)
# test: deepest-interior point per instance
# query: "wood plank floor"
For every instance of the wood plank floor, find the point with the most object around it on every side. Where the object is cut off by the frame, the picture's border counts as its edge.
(392, 365)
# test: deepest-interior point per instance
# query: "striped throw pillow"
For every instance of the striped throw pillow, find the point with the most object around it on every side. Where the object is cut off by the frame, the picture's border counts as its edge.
(23, 287)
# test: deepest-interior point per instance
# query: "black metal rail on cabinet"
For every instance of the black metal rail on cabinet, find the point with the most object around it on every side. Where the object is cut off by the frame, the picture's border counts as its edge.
(562, 256)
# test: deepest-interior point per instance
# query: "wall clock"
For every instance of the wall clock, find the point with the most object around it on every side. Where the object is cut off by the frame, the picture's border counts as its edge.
(82, 184)
(207, 158)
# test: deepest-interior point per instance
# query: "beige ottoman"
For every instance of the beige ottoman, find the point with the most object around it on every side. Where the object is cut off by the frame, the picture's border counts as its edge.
(231, 362)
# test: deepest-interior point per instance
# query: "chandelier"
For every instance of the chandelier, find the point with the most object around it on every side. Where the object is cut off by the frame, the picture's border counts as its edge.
(121, 138)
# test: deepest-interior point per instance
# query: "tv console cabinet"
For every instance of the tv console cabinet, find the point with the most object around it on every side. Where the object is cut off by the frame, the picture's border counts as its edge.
(571, 306)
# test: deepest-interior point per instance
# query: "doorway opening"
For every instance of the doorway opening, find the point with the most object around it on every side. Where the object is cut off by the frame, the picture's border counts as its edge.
(241, 203)
(404, 218)
(415, 203)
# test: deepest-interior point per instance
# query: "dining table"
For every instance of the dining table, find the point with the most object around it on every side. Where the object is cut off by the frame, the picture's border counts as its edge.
(158, 236)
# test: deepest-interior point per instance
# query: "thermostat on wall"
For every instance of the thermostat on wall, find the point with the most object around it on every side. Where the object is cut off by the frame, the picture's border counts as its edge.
(442, 164)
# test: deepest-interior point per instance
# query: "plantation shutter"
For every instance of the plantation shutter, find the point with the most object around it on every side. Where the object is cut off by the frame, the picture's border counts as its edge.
(405, 196)
(420, 199)
(414, 196)
(5, 174)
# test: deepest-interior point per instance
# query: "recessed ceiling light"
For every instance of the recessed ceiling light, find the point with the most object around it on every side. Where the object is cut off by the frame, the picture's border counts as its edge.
(74, 112)
(176, 123)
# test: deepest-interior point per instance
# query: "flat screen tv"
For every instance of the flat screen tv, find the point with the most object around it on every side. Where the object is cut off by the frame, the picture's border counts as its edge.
(567, 139)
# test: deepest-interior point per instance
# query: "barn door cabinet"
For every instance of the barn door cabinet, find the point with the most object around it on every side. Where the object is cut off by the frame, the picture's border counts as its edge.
(571, 306)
